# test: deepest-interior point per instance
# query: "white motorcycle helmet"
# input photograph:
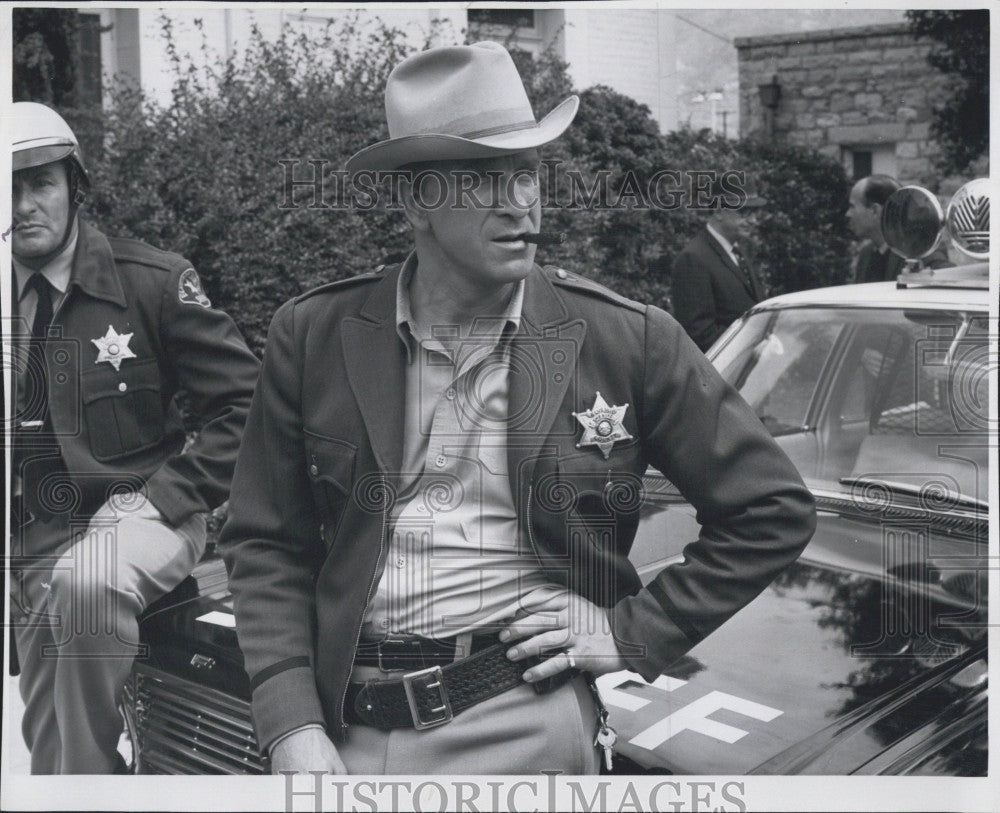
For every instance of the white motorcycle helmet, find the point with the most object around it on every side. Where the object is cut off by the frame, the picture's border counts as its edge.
(42, 136)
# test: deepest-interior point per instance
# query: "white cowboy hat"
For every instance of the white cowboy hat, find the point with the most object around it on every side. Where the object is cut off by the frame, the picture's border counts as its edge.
(463, 101)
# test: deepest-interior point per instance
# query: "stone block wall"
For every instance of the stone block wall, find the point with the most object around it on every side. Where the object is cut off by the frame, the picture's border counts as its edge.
(846, 88)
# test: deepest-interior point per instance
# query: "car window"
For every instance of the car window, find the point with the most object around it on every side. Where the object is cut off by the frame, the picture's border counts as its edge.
(887, 394)
(777, 366)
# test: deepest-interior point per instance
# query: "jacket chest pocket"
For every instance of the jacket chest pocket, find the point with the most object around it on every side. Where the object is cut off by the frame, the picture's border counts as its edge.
(122, 408)
(592, 488)
(330, 465)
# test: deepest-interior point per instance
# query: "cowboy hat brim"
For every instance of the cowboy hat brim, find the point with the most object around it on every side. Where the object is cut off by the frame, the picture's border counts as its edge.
(396, 152)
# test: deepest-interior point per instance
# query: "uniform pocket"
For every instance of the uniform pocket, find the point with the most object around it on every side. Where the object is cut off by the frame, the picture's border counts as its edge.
(122, 409)
(330, 464)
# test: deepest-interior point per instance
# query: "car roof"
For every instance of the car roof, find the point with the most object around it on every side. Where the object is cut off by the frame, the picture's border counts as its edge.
(882, 295)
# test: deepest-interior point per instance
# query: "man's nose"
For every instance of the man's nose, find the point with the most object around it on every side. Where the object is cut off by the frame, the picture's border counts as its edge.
(515, 193)
(23, 203)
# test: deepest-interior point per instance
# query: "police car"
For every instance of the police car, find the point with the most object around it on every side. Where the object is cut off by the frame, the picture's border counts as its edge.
(867, 656)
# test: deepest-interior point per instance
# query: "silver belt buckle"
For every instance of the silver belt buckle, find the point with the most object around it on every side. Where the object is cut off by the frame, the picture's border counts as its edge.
(431, 679)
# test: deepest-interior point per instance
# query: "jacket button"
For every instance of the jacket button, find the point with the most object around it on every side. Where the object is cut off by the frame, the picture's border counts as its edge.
(122, 386)
(314, 469)
(561, 273)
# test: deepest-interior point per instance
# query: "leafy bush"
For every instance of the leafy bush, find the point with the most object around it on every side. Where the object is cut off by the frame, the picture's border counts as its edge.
(202, 175)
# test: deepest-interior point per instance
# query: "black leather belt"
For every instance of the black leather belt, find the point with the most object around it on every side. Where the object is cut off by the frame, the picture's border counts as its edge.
(433, 696)
(411, 654)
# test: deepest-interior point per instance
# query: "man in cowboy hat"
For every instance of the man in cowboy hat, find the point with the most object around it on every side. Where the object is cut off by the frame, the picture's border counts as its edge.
(440, 478)
(108, 501)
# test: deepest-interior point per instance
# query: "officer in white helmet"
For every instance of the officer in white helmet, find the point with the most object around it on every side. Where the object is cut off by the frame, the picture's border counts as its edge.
(107, 506)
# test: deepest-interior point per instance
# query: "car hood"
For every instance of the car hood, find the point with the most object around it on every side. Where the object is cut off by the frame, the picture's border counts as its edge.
(828, 671)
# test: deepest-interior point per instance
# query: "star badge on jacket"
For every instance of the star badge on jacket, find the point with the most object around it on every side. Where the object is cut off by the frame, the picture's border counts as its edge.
(113, 348)
(602, 426)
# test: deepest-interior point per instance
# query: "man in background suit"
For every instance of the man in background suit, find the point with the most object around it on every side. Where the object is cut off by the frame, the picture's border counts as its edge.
(714, 282)
(876, 262)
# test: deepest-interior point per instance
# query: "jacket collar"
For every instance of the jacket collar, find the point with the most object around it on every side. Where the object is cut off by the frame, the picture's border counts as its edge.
(375, 359)
(542, 305)
(94, 266)
(727, 258)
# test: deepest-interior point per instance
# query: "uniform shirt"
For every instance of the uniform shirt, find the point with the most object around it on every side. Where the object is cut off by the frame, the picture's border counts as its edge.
(57, 271)
(454, 563)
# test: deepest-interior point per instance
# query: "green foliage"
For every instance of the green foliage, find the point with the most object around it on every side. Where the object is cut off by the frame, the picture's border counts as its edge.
(961, 124)
(202, 176)
(45, 42)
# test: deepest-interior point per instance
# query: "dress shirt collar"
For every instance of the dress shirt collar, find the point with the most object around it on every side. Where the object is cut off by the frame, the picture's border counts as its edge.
(408, 330)
(722, 241)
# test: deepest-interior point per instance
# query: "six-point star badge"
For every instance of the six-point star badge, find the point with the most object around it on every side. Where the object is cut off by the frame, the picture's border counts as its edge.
(113, 348)
(602, 426)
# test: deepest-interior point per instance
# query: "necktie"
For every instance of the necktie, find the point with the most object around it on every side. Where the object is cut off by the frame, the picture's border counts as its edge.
(36, 452)
(742, 265)
(36, 382)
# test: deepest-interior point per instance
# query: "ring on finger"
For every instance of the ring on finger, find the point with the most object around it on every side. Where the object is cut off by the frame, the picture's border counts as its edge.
(570, 659)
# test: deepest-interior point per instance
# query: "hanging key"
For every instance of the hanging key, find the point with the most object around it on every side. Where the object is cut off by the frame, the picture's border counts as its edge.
(606, 738)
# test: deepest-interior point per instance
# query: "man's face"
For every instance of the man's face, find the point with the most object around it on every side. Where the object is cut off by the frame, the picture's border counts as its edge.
(488, 204)
(736, 225)
(862, 219)
(41, 209)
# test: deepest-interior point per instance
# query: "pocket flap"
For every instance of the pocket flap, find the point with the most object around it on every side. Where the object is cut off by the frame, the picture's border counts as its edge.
(330, 460)
(105, 381)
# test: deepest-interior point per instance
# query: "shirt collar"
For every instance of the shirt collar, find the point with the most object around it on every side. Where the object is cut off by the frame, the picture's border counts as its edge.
(406, 326)
(57, 270)
(726, 245)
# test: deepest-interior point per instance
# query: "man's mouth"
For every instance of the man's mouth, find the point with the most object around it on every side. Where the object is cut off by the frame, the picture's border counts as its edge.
(516, 237)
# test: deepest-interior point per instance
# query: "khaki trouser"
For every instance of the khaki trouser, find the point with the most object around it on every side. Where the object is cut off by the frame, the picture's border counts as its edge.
(517, 732)
(75, 601)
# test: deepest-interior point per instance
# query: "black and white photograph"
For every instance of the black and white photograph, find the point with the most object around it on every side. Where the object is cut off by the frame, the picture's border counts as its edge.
(495, 407)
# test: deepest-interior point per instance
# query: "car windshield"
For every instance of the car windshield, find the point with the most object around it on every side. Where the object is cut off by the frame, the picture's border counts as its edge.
(891, 395)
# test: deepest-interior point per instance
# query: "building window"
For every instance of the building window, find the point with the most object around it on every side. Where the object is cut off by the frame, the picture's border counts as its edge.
(861, 164)
(88, 86)
(519, 18)
(860, 161)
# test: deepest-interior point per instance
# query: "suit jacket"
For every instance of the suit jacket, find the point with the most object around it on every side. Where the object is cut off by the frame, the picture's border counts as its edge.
(315, 481)
(875, 266)
(708, 290)
(121, 426)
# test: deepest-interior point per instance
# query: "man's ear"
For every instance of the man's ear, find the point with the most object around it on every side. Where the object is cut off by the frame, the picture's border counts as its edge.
(414, 212)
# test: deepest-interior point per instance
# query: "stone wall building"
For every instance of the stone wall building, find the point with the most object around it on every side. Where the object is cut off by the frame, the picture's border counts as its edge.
(861, 95)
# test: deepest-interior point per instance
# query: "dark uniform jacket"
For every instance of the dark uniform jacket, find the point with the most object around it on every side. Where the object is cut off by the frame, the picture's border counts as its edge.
(708, 290)
(873, 265)
(122, 428)
(314, 482)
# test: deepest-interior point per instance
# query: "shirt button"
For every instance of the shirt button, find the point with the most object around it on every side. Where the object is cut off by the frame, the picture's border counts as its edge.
(440, 461)
(314, 469)
(450, 394)
(384, 623)
(122, 387)
(400, 561)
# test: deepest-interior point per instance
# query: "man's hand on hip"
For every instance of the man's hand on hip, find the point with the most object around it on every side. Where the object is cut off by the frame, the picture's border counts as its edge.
(304, 751)
(574, 632)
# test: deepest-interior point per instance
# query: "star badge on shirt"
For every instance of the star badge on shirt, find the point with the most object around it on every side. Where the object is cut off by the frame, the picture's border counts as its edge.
(113, 348)
(602, 426)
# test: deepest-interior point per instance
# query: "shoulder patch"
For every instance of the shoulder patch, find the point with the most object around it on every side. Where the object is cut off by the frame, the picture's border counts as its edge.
(574, 282)
(189, 290)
